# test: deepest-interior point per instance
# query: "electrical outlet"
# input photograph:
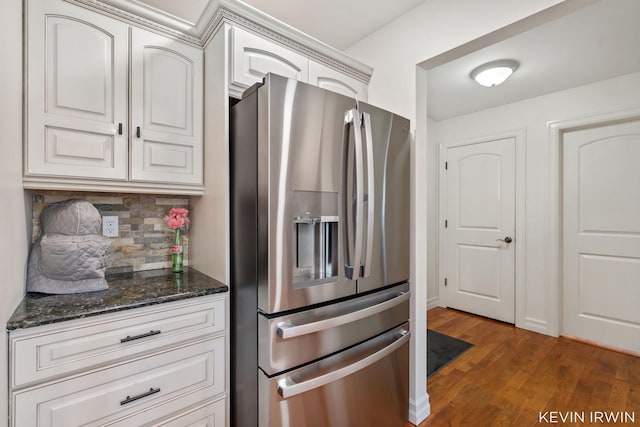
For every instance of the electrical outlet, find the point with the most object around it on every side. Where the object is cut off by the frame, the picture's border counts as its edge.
(110, 226)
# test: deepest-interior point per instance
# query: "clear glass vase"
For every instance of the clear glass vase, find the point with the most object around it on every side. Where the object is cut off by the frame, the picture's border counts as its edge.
(176, 253)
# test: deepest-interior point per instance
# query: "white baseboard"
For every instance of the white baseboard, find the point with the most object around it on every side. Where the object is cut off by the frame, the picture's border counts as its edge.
(420, 410)
(433, 302)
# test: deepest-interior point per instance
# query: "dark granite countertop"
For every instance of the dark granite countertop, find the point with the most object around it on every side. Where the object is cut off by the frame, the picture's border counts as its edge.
(126, 291)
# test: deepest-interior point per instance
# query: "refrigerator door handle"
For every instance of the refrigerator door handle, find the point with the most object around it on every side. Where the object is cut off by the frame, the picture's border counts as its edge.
(366, 118)
(353, 118)
(287, 387)
(288, 330)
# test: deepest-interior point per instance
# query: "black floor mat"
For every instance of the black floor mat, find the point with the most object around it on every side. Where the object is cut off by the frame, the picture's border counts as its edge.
(442, 349)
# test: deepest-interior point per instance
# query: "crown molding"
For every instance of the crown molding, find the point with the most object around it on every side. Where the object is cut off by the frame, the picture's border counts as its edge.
(239, 13)
(144, 16)
(234, 12)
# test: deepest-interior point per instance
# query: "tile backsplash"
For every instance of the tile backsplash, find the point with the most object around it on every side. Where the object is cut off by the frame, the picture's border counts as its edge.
(143, 241)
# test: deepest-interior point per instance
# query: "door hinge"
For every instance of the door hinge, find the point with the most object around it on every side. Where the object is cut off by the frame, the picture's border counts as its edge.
(446, 223)
(446, 165)
(445, 281)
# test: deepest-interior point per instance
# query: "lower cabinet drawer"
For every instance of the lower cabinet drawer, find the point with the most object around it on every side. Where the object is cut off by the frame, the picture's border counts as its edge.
(184, 376)
(54, 351)
(205, 414)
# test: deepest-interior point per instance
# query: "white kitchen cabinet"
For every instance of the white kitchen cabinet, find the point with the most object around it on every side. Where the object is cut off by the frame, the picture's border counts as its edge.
(78, 133)
(77, 93)
(159, 365)
(327, 78)
(252, 57)
(166, 109)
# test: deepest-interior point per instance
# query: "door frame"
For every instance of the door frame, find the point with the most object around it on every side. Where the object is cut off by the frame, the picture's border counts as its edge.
(520, 187)
(555, 243)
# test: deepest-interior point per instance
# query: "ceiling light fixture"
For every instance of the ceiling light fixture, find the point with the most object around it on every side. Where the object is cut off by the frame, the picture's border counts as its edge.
(493, 73)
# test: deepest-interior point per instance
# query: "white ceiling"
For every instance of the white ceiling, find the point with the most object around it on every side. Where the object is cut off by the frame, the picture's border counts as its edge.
(338, 23)
(595, 43)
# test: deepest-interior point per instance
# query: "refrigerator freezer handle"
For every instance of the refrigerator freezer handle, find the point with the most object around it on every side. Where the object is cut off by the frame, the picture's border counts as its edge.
(288, 330)
(353, 118)
(366, 118)
(287, 387)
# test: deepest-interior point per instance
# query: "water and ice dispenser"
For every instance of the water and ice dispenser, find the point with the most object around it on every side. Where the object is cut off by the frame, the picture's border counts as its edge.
(315, 238)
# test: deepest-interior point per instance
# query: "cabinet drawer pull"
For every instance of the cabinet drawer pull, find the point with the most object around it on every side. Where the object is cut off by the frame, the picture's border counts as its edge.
(137, 131)
(137, 337)
(140, 396)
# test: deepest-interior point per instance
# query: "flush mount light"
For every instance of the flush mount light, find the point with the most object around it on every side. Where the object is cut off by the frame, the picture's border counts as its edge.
(493, 73)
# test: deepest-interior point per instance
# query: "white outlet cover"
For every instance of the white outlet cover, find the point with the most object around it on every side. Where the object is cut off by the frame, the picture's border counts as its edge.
(110, 226)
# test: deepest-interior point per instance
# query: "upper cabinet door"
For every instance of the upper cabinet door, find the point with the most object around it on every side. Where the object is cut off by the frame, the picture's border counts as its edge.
(166, 109)
(330, 79)
(252, 57)
(77, 92)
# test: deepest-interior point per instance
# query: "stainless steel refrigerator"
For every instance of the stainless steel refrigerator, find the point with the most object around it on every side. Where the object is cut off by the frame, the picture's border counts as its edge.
(319, 261)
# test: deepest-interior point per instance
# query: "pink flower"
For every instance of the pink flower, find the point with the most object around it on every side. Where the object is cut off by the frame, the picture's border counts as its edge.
(177, 218)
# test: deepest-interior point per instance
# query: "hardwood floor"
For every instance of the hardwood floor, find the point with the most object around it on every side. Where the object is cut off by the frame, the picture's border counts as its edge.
(513, 377)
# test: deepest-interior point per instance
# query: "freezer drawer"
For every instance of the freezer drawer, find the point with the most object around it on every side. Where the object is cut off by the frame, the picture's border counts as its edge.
(365, 385)
(289, 341)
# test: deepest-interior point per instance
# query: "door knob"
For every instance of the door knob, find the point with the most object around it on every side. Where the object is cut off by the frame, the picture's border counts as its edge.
(506, 240)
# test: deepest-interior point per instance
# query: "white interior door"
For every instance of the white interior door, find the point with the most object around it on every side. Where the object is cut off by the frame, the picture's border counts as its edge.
(480, 230)
(601, 234)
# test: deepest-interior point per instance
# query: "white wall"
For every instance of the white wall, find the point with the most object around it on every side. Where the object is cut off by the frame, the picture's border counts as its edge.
(14, 227)
(533, 115)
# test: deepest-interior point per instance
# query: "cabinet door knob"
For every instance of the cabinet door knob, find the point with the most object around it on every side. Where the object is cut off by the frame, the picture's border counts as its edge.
(506, 240)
